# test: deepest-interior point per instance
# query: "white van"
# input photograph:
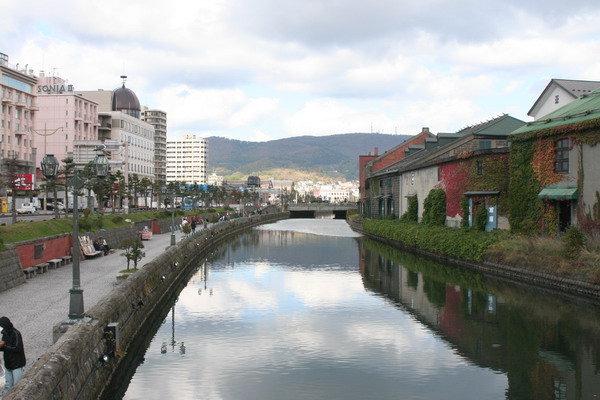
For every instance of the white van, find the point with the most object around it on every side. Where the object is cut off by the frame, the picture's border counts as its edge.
(26, 208)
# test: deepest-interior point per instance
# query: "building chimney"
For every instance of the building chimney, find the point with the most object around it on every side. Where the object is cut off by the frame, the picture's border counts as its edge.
(425, 130)
(376, 150)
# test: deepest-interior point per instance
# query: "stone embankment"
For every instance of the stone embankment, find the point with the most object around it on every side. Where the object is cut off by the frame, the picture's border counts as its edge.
(82, 362)
(520, 275)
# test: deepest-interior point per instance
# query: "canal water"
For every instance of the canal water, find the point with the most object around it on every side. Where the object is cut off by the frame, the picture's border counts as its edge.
(307, 309)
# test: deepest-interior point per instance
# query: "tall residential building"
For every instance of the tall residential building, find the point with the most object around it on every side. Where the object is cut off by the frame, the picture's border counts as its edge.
(17, 113)
(129, 141)
(158, 119)
(64, 118)
(187, 160)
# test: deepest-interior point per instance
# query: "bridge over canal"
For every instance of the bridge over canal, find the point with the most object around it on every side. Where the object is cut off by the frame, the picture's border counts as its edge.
(315, 210)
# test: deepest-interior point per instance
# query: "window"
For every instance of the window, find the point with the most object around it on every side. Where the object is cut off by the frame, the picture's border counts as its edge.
(479, 167)
(485, 144)
(439, 174)
(561, 148)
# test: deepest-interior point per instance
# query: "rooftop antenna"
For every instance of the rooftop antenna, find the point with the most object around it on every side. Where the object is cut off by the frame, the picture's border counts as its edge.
(124, 77)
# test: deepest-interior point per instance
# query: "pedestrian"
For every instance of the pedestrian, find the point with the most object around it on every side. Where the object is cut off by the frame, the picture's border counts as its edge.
(14, 353)
(193, 225)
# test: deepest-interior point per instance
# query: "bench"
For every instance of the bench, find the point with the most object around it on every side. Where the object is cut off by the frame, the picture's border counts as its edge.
(87, 247)
(29, 272)
(41, 267)
(55, 263)
(67, 260)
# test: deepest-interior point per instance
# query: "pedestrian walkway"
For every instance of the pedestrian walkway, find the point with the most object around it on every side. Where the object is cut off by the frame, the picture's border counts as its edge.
(42, 302)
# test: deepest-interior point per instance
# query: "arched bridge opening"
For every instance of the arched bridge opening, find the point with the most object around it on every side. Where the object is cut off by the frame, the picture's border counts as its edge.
(303, 214)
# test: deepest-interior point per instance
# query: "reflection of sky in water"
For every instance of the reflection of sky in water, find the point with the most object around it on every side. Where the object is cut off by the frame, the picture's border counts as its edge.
(274, 330)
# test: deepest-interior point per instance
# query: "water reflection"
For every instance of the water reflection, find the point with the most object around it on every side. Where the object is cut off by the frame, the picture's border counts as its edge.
(548, 348)
(283, 314)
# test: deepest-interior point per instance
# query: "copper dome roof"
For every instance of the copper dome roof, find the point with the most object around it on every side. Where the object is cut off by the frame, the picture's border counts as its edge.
(126, 101)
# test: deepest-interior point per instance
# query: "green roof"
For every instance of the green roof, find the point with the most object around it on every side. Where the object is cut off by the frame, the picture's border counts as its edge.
(558, 193)
(499, 126)
(585, 108)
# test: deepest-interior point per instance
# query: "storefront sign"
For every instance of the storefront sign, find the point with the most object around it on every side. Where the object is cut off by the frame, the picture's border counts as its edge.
(54, 89)
(23, 182)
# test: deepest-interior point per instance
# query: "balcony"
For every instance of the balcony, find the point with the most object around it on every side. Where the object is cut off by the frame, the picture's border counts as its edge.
(20, 103)
(34, 107)
(6, 99)
(105, 126)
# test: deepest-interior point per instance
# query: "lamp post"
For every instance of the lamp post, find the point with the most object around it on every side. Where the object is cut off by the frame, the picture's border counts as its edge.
(164, 191)
(50, 170)
(76, 310)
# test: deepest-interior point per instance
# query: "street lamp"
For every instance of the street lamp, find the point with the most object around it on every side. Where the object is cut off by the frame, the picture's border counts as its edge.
(50, 170)
(100, 164)
(164, 191)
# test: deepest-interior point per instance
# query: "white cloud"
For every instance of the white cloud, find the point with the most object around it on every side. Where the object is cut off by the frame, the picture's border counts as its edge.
(265, 69)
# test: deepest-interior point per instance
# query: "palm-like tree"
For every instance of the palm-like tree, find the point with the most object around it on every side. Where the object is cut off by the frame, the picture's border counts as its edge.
(145, 187)
(133, 187)
(66, 172)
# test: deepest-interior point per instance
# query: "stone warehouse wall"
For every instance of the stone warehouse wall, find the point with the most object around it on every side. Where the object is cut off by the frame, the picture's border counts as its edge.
(72, 368)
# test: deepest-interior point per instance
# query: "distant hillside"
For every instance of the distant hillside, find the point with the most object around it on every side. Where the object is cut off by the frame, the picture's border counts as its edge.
(333, 156)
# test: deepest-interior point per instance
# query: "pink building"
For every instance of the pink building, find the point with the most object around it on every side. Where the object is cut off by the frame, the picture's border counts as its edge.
(70, 116)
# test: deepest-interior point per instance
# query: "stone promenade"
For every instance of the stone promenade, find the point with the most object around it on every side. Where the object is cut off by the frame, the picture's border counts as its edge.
(43, 301)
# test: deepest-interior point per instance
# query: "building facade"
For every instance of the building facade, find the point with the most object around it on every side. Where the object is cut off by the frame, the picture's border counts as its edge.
(17, 115)
(187, 160)
(129, 141)
(558, 93)
(158, 119)
(64, 118)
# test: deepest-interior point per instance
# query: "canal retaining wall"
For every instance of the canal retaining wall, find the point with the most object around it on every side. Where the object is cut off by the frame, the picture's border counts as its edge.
(568, 287)
(81, 363)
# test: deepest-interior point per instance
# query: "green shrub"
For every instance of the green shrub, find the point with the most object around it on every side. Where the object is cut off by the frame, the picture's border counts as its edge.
(480, 218)
(459, 243)
(85, 224)
(464, 206)
(434, 207)
(99, 221)
(1, 244)
(86, 212)
(412, 211)
(117, 219)
(214, 219)
(573, 240)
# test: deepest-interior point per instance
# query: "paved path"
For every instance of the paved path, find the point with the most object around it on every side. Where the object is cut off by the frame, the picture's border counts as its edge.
(35, 307)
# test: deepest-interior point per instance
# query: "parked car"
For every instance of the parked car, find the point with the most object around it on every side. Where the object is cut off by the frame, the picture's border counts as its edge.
(59, 205)
(26, 208)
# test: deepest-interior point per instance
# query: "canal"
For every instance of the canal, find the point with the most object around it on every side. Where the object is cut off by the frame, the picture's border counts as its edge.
(307, 309)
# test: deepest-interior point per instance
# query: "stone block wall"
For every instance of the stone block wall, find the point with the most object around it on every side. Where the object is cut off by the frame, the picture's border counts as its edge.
(11, 272)
(72, 368)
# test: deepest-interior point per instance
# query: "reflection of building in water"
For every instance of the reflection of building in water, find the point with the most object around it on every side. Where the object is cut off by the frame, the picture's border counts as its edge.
(545, 355)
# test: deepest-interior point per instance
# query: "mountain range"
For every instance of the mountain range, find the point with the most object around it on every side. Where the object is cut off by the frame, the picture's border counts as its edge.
(329, 157)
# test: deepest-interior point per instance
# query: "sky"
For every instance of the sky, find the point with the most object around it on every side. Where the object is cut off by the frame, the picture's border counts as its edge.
(268, 69)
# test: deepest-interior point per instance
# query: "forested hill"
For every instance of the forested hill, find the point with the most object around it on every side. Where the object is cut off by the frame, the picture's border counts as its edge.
(332, 156)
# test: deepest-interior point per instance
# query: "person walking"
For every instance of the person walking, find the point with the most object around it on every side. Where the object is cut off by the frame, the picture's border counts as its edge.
(193, 225)
(14, 353)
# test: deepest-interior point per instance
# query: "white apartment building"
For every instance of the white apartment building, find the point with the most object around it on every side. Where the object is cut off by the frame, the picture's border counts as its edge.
(158, 119)
(187, 160)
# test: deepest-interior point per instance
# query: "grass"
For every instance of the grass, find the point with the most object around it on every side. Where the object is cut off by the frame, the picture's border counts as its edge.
(125, 273)
(546, 254)
(22, 231)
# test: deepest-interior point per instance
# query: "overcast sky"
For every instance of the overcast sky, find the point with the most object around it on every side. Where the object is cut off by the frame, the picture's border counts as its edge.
(266, 69)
